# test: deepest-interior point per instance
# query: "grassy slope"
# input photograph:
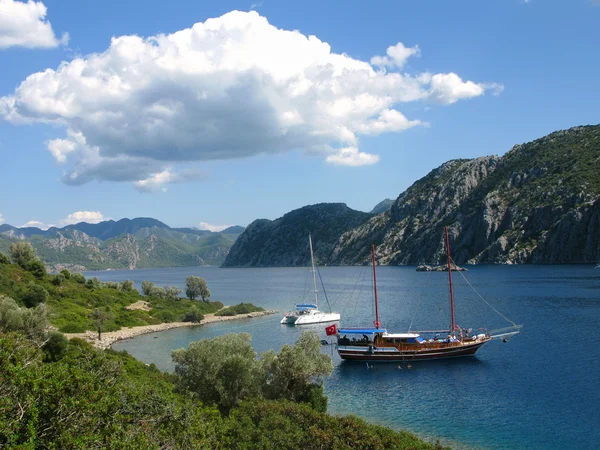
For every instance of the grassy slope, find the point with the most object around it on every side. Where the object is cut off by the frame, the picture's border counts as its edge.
(71, 303)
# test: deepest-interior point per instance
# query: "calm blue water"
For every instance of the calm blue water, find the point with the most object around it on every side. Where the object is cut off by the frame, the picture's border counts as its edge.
(541, 390)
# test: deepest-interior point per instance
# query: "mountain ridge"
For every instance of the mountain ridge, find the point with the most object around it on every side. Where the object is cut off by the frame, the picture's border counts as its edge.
(538, 203)
(141, 242)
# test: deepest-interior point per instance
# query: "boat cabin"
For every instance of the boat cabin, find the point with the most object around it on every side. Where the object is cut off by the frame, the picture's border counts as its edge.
(358, 336)
(305, 308)
(402, 338)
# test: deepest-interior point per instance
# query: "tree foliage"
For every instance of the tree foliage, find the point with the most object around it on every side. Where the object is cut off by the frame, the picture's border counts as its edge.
(220, 371)
(32, 322)
(99, 318)
(35, 295)
(89, 398)
(4, 259)
(78, 278)
(291, 373)
(225, 370)
(147, 288)
(36, 267)
(55, 347)
(196, 287)
(22, 252)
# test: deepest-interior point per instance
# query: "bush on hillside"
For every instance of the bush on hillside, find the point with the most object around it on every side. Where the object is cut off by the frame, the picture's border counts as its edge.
(4, 259)
(35, 295)
(78, 278)
(36, 267)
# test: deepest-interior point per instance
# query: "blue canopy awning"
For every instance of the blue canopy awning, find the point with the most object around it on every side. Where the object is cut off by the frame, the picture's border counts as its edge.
(361, 330)
(305, 306)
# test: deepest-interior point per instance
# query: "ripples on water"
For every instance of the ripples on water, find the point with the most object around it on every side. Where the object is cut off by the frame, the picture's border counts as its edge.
(539, 391)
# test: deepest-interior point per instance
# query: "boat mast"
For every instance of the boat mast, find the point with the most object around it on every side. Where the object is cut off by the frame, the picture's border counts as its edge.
(312, 262)
(376, 323)
(453, 326)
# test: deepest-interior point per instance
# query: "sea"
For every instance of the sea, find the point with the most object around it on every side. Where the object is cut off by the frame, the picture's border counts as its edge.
(538, 390)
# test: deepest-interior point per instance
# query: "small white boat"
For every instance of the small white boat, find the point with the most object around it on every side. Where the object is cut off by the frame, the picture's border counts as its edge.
(307, 313)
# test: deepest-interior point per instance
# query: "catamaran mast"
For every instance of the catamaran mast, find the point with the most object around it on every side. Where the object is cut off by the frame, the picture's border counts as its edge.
(376, 323)
(453, 326)
(312, 262)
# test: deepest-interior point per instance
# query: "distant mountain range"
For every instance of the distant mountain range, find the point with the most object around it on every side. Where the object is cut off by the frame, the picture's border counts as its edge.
(125, 244)
(539, 203)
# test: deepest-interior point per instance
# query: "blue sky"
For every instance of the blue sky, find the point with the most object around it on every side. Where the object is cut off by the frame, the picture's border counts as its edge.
(238, 118)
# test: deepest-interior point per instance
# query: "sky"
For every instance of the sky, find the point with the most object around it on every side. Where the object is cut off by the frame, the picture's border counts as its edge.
(217, 113)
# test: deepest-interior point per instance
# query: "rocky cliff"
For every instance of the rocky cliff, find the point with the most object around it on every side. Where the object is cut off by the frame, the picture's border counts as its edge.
(539, 203)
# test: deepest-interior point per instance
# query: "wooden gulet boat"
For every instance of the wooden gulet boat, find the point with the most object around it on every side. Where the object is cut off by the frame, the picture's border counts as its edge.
(376, 344)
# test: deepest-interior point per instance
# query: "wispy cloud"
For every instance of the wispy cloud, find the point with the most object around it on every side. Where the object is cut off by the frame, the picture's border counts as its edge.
(255, 5)
(1, 219)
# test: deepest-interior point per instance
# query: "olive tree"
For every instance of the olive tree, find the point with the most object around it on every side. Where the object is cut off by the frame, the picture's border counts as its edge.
(147, 288)
(33, 322)
(172, 292)
(296, 372)
(22, 252)
(221, 371)
(196, 287)
(225, 370)
(99, 318)
(127, 285)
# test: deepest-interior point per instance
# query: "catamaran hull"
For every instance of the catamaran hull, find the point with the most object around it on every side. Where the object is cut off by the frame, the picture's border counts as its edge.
(307, 319)
(356, 353)
(317, 318)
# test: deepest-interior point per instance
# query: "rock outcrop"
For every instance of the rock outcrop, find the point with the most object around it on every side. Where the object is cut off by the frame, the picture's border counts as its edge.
(539, 203)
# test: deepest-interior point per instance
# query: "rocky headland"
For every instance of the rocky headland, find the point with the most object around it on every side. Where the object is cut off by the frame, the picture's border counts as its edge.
(539, 203)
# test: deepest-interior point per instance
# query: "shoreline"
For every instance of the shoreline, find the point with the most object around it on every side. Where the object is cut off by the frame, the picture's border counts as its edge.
(110, 337)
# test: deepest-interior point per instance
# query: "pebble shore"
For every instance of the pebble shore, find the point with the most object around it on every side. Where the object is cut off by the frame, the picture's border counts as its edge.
(111, 337)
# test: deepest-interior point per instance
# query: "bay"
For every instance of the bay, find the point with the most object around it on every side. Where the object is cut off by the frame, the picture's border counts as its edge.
(541, 390)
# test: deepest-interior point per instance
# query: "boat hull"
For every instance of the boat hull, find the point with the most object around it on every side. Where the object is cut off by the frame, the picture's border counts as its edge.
(392, 354)
(307, 319)
(317, 318)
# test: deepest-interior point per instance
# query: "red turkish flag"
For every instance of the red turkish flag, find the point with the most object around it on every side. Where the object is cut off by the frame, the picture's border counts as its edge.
(331, 330)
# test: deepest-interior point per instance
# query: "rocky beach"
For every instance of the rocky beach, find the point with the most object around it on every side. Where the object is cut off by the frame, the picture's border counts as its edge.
(110, 337)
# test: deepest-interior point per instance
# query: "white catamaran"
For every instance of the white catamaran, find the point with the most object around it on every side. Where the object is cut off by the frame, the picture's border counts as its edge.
(307, 313)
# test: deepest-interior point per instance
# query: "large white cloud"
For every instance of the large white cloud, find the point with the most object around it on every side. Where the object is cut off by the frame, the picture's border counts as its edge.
(231, 87)
(24, 25)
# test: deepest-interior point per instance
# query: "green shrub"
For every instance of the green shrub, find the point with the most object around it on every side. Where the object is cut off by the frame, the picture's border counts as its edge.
(55, 347)
(4, 259)
(193, 315)
(242, 308)
(66, 274)
(58, 279)
(78, 278)
(35, 295)
(36, 267)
